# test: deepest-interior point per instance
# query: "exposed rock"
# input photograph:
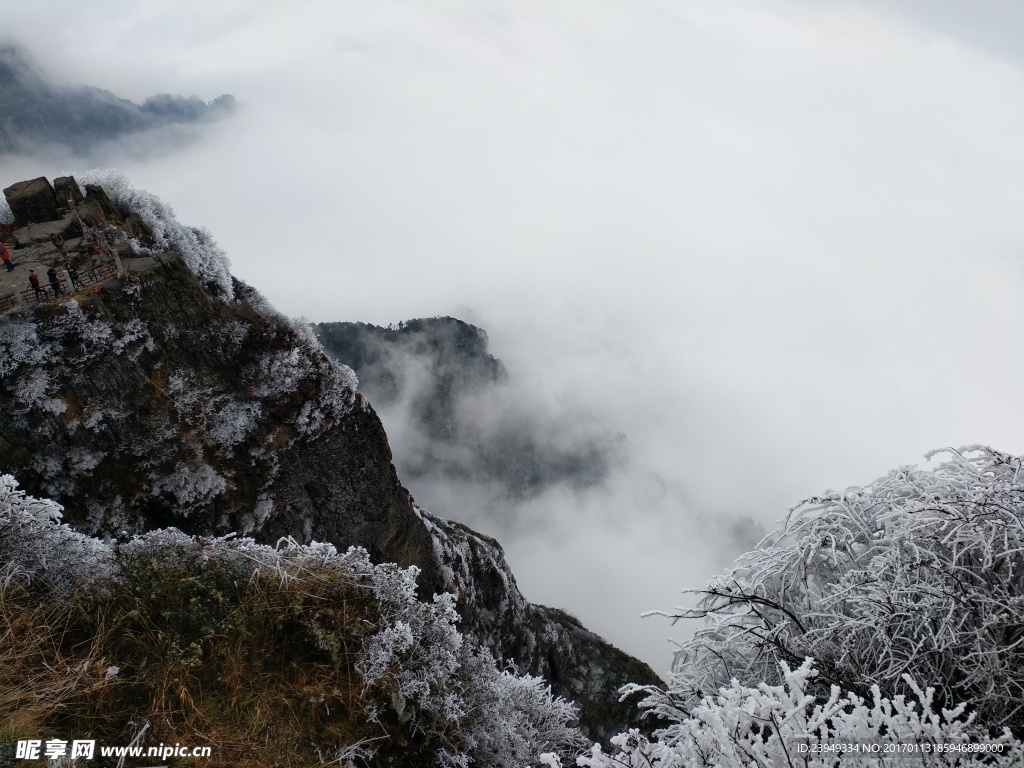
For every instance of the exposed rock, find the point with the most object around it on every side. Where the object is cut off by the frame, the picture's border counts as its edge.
(137, 228)
(65, 187)
(92, 212)
(32, 201)
(96, 193)
(40, 233)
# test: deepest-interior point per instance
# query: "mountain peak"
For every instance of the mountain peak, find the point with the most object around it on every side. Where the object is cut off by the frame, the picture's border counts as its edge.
(168, 393)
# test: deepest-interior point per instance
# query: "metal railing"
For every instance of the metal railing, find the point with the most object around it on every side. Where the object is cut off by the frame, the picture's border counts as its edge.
(47, 292)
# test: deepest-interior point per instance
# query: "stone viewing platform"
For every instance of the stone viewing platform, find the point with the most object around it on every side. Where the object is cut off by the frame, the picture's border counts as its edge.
(97, 240)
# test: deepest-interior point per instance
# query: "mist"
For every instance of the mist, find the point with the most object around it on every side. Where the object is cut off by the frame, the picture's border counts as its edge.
(777, 247)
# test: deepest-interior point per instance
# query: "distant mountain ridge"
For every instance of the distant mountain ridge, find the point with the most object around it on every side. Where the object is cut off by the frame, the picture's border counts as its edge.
(36, 112)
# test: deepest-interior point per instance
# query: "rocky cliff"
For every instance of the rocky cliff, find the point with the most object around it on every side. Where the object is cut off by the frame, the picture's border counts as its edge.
(170, 394)
(466, 423)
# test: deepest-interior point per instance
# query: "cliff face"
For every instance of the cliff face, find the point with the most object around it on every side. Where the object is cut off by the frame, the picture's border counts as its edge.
(159, 398)
(465, 422)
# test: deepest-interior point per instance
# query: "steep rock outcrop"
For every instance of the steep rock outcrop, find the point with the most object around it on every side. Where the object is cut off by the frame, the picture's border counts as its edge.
(163, 400)
(65, 187)
(32, 201)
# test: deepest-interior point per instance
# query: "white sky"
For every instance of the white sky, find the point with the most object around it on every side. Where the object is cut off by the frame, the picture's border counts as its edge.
(778, 244)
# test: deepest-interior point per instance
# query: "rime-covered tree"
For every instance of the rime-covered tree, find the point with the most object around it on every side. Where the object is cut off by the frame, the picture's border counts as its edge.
(919, 573)
(891, 614)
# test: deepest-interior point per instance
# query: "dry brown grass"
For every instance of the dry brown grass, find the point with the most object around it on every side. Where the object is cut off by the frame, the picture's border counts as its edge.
(261, 670)
(39, 675)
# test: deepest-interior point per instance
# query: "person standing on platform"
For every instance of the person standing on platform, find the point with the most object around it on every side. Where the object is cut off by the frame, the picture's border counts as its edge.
(72, 275)
(51, 275)
(33, 280)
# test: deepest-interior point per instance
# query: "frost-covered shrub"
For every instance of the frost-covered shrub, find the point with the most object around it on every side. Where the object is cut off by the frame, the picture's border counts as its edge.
(68, 336)
(511, 720)
(786, 725)
(454, 691)
(920, 573)
(31, 390)
(6, 215)
(20, 345)
(232, 334)
(417, 651)
(190, 485)
(233, 422)
(337, 396)
(280, 373)
(251, 522)
(33, 538)
(222, 421)
(196, 246)
(129, 333)
(92, 334)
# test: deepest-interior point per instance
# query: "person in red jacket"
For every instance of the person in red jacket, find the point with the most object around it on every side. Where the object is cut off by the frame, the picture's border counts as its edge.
(6, 256)
(33, 280)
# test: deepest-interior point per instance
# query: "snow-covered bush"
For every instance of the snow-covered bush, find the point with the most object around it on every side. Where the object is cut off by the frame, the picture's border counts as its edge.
(336, 397)
(454, 691)
(132, 331)
(280, 373)
(33, 539)
(6, 215)
(417, 651)
(920, 573)
(31, 390)
(232, 422)
(787, 725)
(20, 345)
(511, 720)
(70, 336)
(79, 336)
(196, 246)
(190, 485)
